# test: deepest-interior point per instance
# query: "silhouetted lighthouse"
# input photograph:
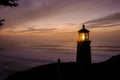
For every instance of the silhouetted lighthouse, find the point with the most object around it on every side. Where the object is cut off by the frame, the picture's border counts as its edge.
(83, 47)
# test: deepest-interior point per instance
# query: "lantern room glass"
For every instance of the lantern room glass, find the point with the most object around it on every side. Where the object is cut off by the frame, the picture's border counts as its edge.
(83, 36)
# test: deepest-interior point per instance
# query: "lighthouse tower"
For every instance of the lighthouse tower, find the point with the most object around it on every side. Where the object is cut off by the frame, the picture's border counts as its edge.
(83, 47)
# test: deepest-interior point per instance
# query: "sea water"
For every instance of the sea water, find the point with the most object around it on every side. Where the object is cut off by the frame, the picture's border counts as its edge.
(17, 54)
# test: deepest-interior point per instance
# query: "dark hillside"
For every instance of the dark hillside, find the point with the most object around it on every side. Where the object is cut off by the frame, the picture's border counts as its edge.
(71, 71)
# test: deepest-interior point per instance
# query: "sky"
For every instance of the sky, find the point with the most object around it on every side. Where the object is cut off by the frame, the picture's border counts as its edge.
(46, 30)
(45, 23)
(45, 16)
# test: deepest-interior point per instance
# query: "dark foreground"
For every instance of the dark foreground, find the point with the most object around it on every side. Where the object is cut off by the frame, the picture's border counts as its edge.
(109, 69)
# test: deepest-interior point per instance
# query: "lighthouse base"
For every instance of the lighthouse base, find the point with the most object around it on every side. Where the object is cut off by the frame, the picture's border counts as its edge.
(83, 52)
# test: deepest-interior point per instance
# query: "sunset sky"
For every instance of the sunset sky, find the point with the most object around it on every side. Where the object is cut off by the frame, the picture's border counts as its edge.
(42, 31)
(45, 16)
(39, 32)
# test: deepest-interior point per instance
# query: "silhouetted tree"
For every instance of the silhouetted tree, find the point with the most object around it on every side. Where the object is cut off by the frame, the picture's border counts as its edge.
(7, 3)
(1, 22)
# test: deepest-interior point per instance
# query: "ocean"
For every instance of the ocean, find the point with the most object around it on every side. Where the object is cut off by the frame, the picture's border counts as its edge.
(22, 53)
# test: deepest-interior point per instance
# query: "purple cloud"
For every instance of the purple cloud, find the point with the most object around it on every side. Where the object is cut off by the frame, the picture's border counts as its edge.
(108, 21)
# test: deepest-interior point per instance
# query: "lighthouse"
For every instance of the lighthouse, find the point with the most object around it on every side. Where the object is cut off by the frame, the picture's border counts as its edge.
(83, 47)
